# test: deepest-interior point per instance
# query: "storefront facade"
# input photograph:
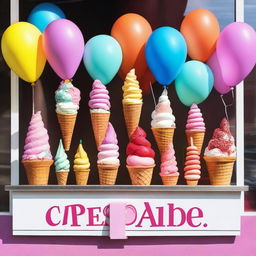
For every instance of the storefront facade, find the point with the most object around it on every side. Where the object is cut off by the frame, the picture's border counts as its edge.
(216, 234)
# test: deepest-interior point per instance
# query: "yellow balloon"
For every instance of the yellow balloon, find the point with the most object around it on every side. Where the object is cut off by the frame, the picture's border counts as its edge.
(23, 51)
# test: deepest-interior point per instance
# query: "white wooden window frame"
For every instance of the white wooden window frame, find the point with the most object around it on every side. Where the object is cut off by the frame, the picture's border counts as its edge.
(14, 17)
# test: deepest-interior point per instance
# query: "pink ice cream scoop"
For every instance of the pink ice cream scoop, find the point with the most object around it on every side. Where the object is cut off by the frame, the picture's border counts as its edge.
(99, 98)
(169, 164)
(37, 141)
(108, 150)
(195, 120)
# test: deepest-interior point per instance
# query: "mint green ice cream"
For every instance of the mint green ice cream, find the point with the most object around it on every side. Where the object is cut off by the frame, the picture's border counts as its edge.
(61, 160)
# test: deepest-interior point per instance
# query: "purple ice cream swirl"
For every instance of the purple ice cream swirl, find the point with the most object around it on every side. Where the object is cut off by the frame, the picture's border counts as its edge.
(37, 141)
(99, 98)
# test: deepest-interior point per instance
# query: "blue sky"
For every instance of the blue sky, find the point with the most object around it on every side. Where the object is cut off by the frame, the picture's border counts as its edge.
(224, 10)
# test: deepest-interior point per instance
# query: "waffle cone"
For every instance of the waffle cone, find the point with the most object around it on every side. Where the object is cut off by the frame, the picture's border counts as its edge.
(169, 180)
(198, 139)
(99, 125)
(132, 112)
(82, 176)
(220, 169)
(37, 171)
(62, 178)
(67, 124)
(140, 175)
(107, 174)
(163, 137)
(192, 182)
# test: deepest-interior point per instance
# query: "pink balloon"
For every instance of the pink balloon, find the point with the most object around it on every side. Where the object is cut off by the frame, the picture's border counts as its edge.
(63, 45)
(236, 52)
(219, 83)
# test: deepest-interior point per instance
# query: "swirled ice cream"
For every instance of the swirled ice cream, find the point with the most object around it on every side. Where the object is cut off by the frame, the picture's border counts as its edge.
(108, 150)
(81, 161)
(61, 160)
(195, 121)
(222, 142)
(169, 164)
(139, 150)
(162, 116)
(192, 164)
(37, 141)
(99, 98)
(131, 89)
(67, 99)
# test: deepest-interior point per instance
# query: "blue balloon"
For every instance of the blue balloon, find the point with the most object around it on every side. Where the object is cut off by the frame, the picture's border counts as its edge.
(166, 52)
(194, 82)
(43, 14)
(102, 58)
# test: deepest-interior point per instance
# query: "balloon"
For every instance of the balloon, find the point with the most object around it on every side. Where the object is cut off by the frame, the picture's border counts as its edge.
(145, 81)
(219, 83)
(132, 32)
(102, 58)
(236, 51)
(194, 82)
(63, 44)
(200, 29)
(22, 50)
(166, 52)
(43, 14)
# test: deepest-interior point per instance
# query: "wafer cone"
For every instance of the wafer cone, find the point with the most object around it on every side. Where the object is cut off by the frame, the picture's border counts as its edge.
(163, 137)
(82, 176)
(37, 171)
(99, 125)
(107, 174)
(140, 175)
(198, 139)
(192, 182)
(132, 112)
(67, 124)
(62, 178)
(169, 180)
(220, 169)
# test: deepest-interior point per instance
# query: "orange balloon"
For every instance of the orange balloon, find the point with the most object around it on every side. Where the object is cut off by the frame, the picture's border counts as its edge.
(132, 32)
(201, 30)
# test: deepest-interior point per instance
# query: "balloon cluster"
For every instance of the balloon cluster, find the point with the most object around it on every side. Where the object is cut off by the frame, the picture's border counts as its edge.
(220, 59)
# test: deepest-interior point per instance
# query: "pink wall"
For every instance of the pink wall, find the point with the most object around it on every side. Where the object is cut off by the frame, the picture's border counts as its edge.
(189, 246)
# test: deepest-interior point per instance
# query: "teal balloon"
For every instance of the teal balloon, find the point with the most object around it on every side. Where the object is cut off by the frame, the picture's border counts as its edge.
(102, 58)
(194, 82)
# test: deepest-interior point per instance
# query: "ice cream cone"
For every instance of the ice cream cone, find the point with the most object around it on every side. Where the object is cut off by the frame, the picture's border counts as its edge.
(67, 124)
(140, 175)
(220, 169)
(37, 171)
(163, 137)
(198, 138)
(170, 180)
(107, 174)
(192, 182)
(132, 112)
(99, 125)
(62, 178)
(82, 176)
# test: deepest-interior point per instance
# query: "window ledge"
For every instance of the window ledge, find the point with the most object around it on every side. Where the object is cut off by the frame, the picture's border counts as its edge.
(126, 188)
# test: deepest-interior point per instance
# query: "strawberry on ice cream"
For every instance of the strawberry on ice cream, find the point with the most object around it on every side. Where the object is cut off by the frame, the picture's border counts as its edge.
(222, 142)
(139, 150)
(169, 164)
